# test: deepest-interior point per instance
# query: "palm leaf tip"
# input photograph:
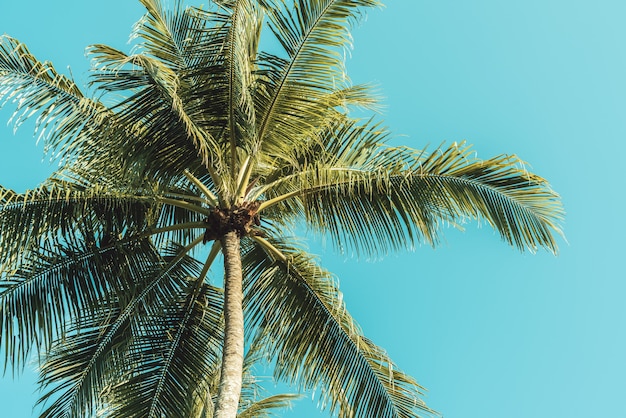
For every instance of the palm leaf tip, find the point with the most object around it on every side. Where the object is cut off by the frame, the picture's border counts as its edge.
(518, 204)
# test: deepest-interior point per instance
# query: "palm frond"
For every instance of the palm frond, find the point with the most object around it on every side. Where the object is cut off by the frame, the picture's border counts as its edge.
(165, 32)
(91, 358)
(255, 400)
(50, 213)
(154, 106)
(289, 298)
(77, 368)
(65, 114)
(69, 207)
(192, 44)
(172, 362)
(181, 37)
(241, 49)
(78, 277)
(401, 196)
(268, 407)
(295, 95)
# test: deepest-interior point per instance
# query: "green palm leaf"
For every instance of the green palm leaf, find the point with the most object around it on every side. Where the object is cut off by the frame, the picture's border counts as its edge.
(290, 298)
(92, 356)
(297, 89)
(171, 363)
(77, 368)
(154, 107)
(61, 212)
(77, 278)
(401, 197)
(76, 209)
(65, 115)
(266, 407)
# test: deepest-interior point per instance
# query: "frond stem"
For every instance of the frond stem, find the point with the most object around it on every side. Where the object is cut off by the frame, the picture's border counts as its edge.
(184, 205)
(213, 200)
(243, 180)
(215, 250)
(231, 91)
(272, 250)
(188, 197)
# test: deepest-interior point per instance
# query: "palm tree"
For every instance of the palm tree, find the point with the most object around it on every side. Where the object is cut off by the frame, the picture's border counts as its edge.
(200, 146)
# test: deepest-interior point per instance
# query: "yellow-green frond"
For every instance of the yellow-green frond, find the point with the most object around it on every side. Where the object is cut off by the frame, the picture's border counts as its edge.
(312, 340)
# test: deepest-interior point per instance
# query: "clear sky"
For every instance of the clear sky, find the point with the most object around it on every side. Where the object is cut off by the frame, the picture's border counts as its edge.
(489, 331)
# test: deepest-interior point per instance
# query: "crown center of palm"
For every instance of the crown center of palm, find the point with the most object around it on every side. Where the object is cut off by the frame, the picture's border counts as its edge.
(240, 218)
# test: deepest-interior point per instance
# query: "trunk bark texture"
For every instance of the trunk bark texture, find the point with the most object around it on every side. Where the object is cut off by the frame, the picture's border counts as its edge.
(232, 353)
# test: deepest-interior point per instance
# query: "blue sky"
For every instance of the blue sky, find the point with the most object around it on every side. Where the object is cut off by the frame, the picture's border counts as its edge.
(489, 331)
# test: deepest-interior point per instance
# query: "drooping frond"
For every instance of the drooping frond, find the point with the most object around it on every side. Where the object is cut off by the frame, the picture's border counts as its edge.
(73, 209)
(76, 242)
(93, 356)
(78, 277)
(64, 114)
(289, 299)
(173, 360)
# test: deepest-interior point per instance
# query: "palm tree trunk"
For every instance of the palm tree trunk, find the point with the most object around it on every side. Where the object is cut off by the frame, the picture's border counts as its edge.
(232, 353)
